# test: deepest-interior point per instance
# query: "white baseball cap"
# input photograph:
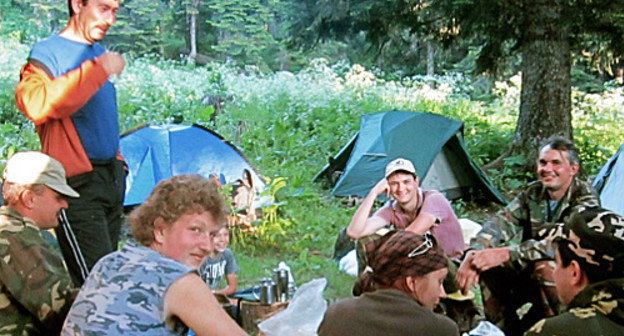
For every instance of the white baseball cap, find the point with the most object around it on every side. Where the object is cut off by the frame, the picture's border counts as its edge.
(37, 168)
(400, 164)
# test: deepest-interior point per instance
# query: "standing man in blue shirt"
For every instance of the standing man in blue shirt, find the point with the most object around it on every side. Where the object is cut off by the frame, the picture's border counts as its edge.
(65, 90)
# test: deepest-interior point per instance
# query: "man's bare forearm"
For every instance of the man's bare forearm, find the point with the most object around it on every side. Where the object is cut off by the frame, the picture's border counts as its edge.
(357, 226)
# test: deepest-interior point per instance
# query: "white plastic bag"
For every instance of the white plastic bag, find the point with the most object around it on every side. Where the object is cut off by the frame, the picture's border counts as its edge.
(349, 263)
(485, 328)
(303, 315)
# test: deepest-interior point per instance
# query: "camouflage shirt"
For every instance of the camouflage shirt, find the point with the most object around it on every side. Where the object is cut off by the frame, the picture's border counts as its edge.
(35, 289)
(596, 310)
(531, 208)
(124, 295)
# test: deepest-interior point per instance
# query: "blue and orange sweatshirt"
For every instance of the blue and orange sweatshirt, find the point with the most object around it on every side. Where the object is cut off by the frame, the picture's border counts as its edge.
(66, 93)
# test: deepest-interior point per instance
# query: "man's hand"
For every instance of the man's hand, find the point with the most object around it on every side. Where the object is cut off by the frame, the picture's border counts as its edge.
(381, 187)
(485, 259)
(467, 275)
(112, 62)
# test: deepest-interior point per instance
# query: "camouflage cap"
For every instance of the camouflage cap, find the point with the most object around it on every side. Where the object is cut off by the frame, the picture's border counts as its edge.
(37, 168)
(595, 236)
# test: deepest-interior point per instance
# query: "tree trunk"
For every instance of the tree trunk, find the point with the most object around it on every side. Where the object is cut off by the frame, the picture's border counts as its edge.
(430, 59)
(193, 30)
(545, 101)
(161, 28)
(193, 38)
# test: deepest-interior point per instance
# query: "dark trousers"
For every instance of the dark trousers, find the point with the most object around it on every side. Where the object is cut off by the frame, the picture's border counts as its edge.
(90, 227)
(513, 300)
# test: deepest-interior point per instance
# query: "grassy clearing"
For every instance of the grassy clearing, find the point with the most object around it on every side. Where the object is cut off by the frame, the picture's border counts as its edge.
(288, 124)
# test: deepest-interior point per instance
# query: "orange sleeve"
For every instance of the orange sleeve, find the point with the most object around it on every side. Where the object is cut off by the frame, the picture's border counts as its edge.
(41, 97)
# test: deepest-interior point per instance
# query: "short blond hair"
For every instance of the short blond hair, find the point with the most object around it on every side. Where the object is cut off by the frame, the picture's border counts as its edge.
(11, 191)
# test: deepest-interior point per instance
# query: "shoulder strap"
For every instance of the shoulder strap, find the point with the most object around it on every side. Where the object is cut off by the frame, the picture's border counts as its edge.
(527, 230)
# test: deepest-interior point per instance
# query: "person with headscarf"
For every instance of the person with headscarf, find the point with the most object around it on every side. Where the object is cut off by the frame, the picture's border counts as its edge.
(401, 288)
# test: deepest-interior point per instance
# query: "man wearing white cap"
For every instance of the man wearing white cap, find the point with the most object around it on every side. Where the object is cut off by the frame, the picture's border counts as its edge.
(36, 291)
(411, 208)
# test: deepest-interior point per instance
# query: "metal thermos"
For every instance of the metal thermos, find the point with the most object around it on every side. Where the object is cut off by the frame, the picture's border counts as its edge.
(280, 276)
(267, 292)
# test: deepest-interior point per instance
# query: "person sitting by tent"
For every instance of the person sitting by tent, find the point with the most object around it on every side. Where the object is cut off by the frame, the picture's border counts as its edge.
(402, 287)
(216, 180)
(508, 255)
(243, 195)
(411, 208)
(589, 275)
(150, 286)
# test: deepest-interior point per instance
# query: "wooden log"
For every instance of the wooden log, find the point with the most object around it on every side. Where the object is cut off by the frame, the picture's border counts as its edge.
(253, 313)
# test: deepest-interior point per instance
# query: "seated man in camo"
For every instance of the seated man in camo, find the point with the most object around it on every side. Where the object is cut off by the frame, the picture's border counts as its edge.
(508, 256)
(35, 288)
(589, 275)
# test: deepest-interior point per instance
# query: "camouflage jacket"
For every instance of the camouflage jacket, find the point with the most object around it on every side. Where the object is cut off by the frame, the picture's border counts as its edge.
(35, 289)
(596, 310)
(530, 210)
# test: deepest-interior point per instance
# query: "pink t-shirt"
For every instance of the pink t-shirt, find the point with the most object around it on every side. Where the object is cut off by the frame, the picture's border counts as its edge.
(448, 233)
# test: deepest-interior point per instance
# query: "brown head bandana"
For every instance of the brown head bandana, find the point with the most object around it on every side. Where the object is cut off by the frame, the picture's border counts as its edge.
(404, 253)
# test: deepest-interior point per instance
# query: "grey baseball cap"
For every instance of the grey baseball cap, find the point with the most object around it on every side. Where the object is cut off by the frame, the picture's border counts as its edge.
(38, 168)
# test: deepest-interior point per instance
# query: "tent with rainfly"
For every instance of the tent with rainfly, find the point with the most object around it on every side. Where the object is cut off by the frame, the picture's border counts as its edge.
(432, 142)
(155, 153)
(609, 183)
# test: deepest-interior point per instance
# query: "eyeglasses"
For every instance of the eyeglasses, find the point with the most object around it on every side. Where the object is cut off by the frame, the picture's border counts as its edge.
(422, 248)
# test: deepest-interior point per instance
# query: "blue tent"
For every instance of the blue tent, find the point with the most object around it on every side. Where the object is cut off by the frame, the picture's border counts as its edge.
(155, 153)
(610, 181)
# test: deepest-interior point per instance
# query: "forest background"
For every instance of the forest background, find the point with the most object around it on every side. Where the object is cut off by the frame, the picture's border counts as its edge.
(287, 82)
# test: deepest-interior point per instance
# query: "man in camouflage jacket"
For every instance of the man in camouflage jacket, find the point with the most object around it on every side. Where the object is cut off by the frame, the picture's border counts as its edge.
(589, 275)
(509, 254)
(35, 289)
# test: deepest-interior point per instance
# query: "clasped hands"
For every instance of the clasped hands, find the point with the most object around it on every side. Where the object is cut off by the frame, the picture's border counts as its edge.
(477, 261)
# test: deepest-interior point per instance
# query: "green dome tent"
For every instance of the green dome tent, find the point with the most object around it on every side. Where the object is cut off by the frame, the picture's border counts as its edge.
(432, 142)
